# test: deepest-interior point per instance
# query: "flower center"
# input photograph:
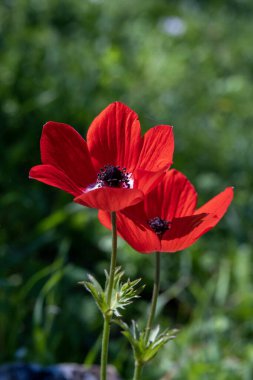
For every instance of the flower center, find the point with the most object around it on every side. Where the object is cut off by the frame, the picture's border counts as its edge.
(159, 226)
(113, 176)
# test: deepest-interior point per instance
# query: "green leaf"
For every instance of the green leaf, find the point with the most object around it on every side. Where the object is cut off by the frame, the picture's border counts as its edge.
(143, 351)
(97, 292)
(123, 293)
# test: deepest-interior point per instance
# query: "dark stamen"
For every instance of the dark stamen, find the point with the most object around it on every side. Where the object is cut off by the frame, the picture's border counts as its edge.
(159, 226)
(113, 176)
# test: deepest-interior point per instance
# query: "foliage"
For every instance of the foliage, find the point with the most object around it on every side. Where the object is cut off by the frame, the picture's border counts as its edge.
(187, 63)
(145, 351)
(123, 293)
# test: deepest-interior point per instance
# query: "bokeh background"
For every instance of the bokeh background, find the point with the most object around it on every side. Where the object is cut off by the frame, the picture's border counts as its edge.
(187, 63)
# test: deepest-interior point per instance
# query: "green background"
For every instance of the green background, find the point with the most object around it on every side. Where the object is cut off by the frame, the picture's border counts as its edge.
(185, 63)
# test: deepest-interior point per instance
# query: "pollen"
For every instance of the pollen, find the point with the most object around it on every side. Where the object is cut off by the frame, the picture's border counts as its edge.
(113, 176)
(159, 226)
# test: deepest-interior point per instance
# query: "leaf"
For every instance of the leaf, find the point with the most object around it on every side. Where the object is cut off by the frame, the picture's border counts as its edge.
(143, 351)
(97, 292)
(123, 293)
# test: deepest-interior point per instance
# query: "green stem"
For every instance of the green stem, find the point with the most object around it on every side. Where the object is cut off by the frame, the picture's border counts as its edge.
(107, 317)
(105, 344)
(137, 371)
(113, 257)
(154, 297)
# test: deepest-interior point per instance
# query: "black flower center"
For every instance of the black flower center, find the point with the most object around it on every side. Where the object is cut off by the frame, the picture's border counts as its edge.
(113, 176)
(159, 226)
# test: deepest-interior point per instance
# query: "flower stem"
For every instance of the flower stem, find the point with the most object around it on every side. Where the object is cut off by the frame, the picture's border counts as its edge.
(113, 257)
(105, 344)
(107, 317)
(154, 297)
(138, 364)
(137, 370)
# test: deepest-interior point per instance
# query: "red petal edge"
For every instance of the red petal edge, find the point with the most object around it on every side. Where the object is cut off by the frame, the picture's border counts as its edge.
(158, 148)
(63, 147)
(54, 177)
(114, 137)
(110, 199)
(219, 204)
(185, 231)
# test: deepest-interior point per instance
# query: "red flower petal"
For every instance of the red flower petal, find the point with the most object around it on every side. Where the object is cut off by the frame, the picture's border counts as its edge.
(139, 237)
(63, 147)
(173, 197)
(179, 197)
(158, 148)
(147, 181)
(110, 198)
(54, 177)
(105, 218)
(114, 137)
(218, 205)
(186, 230)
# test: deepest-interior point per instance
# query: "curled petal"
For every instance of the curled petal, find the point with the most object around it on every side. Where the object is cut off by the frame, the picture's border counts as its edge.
(109, 198)
(63, 147)
(114, 137)
(54, 177)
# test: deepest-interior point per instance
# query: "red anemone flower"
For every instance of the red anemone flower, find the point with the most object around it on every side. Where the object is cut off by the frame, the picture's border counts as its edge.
(115, 168)
(167, 220)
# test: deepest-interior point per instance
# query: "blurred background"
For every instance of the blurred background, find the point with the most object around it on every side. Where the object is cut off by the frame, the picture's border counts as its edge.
(187, 63)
